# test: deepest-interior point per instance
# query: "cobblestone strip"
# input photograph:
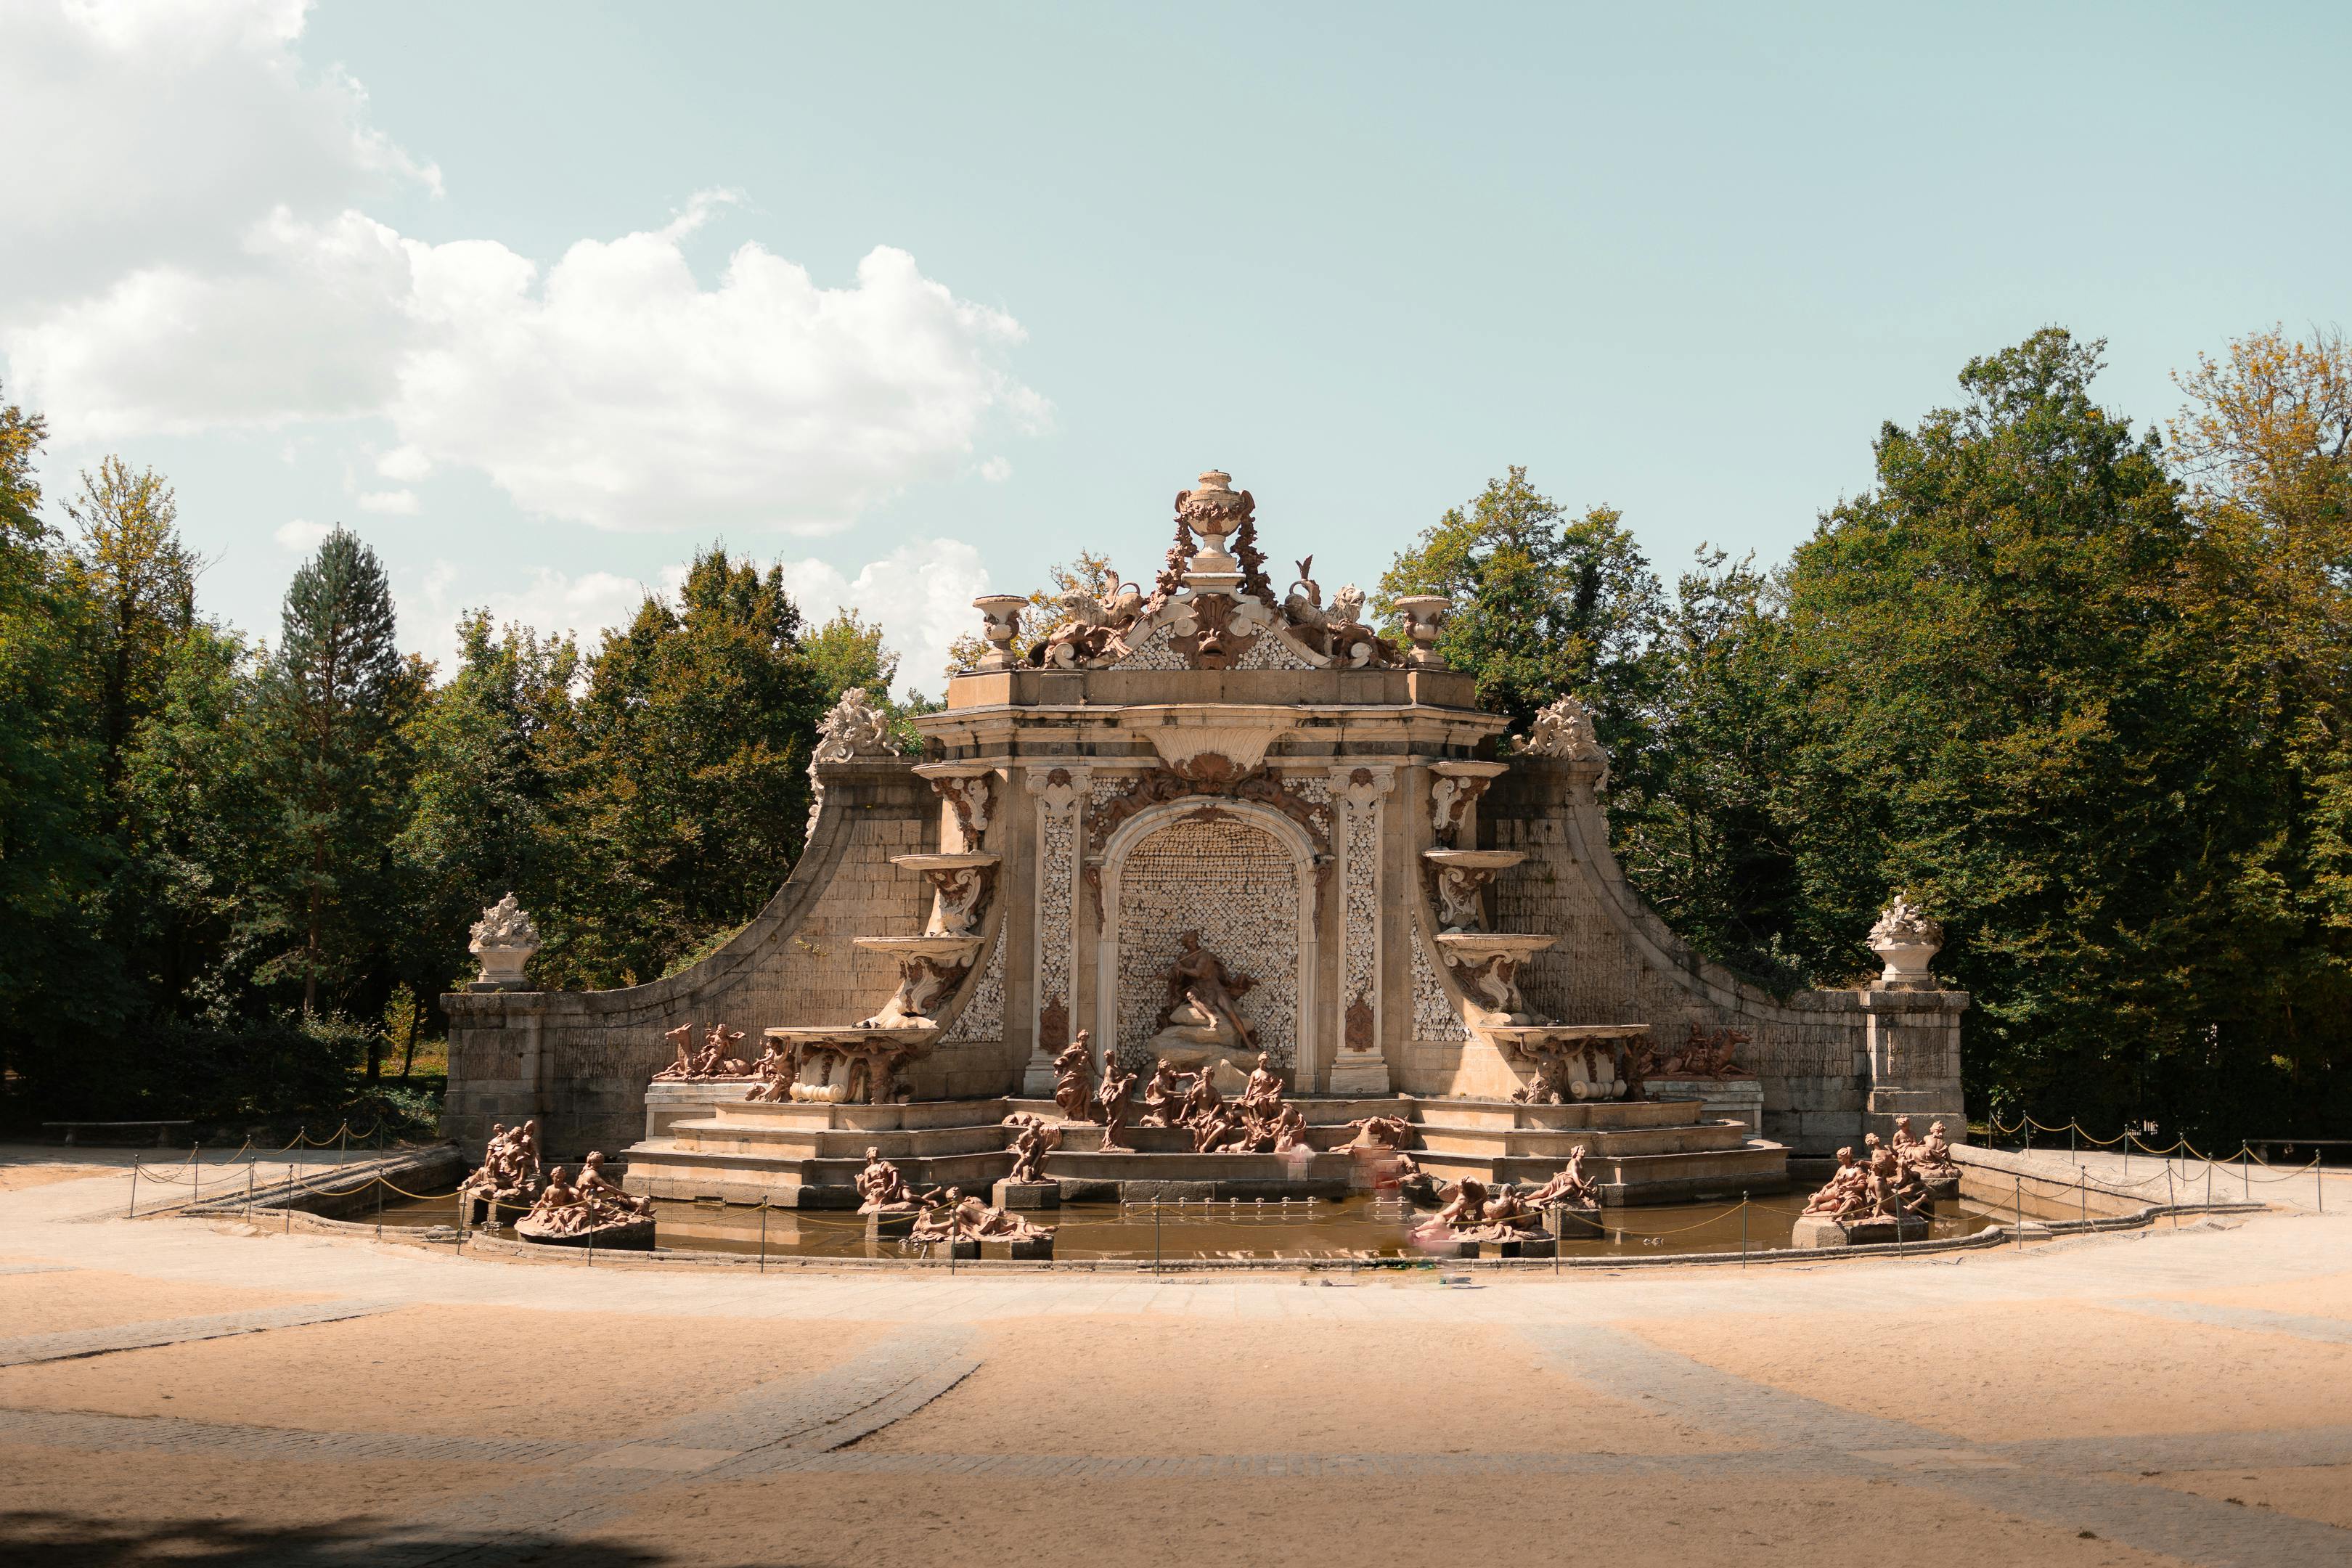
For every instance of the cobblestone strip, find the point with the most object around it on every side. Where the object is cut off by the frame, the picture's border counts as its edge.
(73, 1342)
(2185, 1450)
(37, 1268)
(2153, 1518)
(2326, 1331)
(171, 1435)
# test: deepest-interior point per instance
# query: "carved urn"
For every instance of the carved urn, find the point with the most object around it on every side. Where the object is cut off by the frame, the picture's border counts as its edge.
(503, 939)
(1004, 624)
(1908, 941)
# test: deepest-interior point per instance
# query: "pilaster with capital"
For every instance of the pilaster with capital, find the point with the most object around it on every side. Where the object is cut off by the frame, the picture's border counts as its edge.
(1359, 1066)
(1060, 793)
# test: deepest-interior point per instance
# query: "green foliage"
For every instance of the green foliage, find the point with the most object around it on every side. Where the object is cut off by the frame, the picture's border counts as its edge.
(1541, 604)
(688, 777)
(329, 703)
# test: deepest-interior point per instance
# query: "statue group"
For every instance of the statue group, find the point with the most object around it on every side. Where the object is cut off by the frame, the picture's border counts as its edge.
(1893, 1181)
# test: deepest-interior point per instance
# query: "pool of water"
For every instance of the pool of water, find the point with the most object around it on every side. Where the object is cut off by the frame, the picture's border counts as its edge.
(1352, 1227)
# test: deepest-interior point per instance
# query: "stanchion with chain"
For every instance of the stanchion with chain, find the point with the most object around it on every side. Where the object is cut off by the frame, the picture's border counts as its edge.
(1155, 1238)
(1743, 1229)
(2170, 1206)
(134, 1189)
(2246, 1169)
(2021, 1213)
(249, 1192)
(763, 1234)
(459, 1249)
(2083, 1191)
(379, 1208)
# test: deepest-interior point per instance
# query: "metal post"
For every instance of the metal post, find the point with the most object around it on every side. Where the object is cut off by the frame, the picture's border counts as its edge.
(2209, 1184)
(379, 1208)
(591, 1239)
(134, 1188)
(249, 1192)
(1743, 1228)
(1155, 1238)
(2246, 1169)
(2167, 1194)
(2083, 1191)
(2071, 1125)
(763, 1234)
(460, 1247)
(2020, 1215)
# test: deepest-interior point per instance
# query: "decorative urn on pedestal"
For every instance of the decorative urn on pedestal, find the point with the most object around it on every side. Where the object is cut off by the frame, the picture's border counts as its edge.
(1908, 941)
(504, 939)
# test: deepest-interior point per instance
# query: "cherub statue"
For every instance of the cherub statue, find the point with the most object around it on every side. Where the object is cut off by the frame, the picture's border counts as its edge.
(880, 1188)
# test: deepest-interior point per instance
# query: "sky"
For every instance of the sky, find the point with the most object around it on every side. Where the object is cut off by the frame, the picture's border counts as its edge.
(918, 300)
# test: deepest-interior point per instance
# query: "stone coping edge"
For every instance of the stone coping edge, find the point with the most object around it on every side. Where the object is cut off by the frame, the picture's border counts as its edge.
(495, 1249)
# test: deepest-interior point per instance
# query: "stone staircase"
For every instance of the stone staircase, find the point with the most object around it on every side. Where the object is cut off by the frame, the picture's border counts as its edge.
(704, 1141)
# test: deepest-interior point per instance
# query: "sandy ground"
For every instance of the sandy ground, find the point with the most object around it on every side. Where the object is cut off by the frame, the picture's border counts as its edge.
(13, 1178)
(2054, 1371)
(1628, 1418)
(1109, 1386)
(1364, 1524)
(474, 1372)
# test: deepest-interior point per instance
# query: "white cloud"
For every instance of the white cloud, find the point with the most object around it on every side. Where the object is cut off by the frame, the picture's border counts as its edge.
(621, 393)
(996, 470)
(921, 592)
(153, 135)
(197, 257)
(399, 503)
(300, 536)
(404, 465)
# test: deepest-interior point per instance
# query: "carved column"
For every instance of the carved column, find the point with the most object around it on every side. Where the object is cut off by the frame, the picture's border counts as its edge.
(1061, 797)
(1357, 1067)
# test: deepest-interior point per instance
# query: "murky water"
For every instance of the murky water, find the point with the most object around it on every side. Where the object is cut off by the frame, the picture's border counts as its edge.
(1349, 1227)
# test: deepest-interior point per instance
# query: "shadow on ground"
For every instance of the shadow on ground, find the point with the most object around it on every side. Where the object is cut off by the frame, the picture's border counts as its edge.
(61, 1540)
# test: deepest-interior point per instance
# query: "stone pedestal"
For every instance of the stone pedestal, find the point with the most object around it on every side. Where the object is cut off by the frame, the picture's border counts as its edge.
(1737, 1099)
(962, 1248)
(1572, 1225)
(1449, 1247)
(1037, 1077)
(1363, 1074)
(1528, 1246)
(1032, 1250)
(1814, 1231)
(890, 1225)
(1008, 1193)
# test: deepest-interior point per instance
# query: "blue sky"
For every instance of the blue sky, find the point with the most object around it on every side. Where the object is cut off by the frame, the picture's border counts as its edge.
(921, 299)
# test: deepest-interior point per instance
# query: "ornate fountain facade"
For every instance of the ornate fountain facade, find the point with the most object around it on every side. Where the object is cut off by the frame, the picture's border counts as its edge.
(1203, 820)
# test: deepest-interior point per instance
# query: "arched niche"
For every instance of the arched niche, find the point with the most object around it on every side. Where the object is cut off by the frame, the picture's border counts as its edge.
(1244, 875)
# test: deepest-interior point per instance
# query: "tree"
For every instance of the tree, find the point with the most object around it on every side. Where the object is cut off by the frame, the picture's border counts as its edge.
(332, 698)
(1541, 604)
(494, 753)
(2265, 451)
(1701, 818)
(691, 786)
(59, 984)
(2005, 714)
(144, 581)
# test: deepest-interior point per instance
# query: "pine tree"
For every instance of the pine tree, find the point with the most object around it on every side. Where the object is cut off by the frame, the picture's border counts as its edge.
(332, 694)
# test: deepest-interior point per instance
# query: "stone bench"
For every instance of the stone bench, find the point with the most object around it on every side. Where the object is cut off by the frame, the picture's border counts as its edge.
(162, 1128)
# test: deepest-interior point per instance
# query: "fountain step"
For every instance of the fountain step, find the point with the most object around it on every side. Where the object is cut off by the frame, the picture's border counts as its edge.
(1527, 1142)
(740, 1134)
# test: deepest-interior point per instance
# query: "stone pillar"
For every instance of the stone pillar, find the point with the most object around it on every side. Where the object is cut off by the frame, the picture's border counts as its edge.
(1357, 1067)
(1061, 797)
(1912, 1041)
